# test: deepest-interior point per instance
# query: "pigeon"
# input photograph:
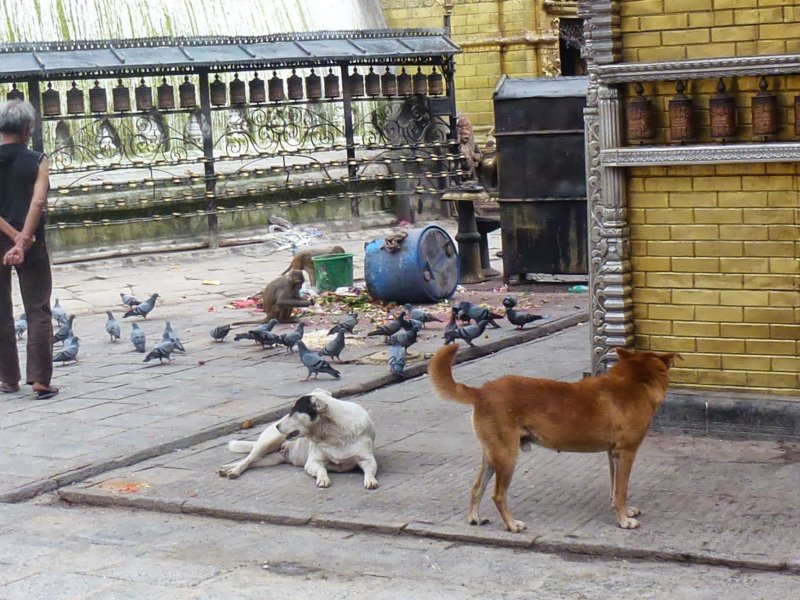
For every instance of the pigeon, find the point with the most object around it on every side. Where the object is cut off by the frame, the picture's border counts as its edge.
(264, 327)
(169, 335)
(314, 362)
(397, 360)
(468, 333)
(335, 346)
(520, 319)
(69, 351)
(65, 331)
(138, 337)
(404, 338)
(21, 326)
(392, 327)
(142, 309)
(58, 312)
(476, 313)
(418, 314)
(162, 351)
(220, 332)
(348, 325)
(451, 324)
(112, 327)
(291, 338)
(129, 300)
(267, 339)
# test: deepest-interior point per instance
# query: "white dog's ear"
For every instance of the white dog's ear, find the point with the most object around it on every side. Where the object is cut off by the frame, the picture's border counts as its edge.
(319, 402)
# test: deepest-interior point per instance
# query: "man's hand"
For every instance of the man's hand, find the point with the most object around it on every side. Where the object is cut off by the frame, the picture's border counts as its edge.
(15, 256)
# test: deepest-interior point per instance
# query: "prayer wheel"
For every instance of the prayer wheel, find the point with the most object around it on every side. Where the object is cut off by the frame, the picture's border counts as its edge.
(313, 86)
(121, 97)
(295, 86)
(218, 92)
(98, 101)
(722, 113)
(238, 94)
(186, 93)
(51, 104)
(435, 83)
(681, 116)
(420, 82)
(372, 83)
(258, 94)
(75, 103)
(389, 83)
(144, 96)
(404, 83)
(331, 85)
(166, 95)
(275, 85)
(639, 117)
(356, 84)
(14, 93)
(764, 112)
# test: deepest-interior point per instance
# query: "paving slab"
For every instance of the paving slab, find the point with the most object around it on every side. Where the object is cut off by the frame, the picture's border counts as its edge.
(703, 500)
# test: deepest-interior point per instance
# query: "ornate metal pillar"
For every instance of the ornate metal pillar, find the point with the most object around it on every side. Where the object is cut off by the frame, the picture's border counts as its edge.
(609, 234)
(208, 159)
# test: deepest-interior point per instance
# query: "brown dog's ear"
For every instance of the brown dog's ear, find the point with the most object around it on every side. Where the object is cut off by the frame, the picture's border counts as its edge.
(623, 353)
(669, 358)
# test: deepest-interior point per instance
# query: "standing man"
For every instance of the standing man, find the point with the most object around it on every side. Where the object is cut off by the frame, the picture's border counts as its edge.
(24, 183)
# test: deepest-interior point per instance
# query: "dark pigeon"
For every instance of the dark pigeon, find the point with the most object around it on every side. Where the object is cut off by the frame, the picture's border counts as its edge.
(290, 339)
(112, 327)
(467, 310)
(220, 332)
(314, 362)
(397, 360)
(392, 327)
(143, 308)
(21, 326)
(68, 352)
(65, 331)
(264, 327)
(404, 338)
(515, 317)
(169, 335)
(418, 314)
(468, 333)
(162, 351)
(138, 337)
(335, 346)
(347, 325)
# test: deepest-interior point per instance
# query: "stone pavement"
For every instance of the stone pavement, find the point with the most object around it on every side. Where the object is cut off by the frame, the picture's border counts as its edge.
(115, 410)
(704, 500)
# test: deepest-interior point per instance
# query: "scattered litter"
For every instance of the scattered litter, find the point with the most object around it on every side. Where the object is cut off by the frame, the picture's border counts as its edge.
(577, 289)
(201, 362)
(210, 282)
(247, 424)
(212, 308)
(460, 289)
(123, 487)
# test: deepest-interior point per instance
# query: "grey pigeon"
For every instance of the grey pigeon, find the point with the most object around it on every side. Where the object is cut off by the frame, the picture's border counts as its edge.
(335, 346)
(291, 338)
(469, 311)
(65, 331)
(515, 317)
(397, 360)
(468, 333)
(21, 325)
(142, 309)
(169, 335)
(267, 339)
(129, 300)
(220, 332)
(69, 351)
(451, 324)
(162, 351)
(347, 325)
(264, 327)
(58, 312)
(138, 337)
(392, 327)
(404, 338)
(314, 362)
(418, 314)
(112, 327)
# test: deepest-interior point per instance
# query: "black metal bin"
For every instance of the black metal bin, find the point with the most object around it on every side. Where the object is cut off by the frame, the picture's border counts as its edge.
(541, 174)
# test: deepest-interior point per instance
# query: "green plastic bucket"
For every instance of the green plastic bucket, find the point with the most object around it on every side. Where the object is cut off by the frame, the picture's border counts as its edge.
(333, 271)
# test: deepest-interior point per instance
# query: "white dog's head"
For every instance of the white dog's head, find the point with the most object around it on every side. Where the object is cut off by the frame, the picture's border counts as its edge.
(305, 414)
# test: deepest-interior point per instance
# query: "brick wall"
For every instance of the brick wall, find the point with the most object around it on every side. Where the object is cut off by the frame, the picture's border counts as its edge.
(716, 271)
(654, 30)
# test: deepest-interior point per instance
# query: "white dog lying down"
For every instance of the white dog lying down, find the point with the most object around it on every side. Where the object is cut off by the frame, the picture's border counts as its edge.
(320, 433)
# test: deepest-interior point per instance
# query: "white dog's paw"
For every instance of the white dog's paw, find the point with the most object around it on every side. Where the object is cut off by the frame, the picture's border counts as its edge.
(323, 481)
(628, 523)
(371, 484)
(516, 526)
(229, 471)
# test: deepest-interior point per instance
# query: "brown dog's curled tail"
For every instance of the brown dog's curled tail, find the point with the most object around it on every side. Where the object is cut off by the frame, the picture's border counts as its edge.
(440, 370)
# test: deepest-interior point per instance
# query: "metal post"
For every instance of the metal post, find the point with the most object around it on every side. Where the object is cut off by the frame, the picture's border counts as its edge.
(35, 98)
(349, 134)
(208, 159)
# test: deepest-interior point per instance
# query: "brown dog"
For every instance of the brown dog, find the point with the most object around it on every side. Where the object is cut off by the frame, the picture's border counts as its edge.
(609, 413)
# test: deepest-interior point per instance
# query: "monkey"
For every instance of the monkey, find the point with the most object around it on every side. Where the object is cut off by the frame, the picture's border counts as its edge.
(302, 261)
(279, 297)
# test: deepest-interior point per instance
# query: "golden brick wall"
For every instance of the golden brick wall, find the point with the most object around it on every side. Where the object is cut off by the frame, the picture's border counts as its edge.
(716, 271)
(518, 38)
(655, 30)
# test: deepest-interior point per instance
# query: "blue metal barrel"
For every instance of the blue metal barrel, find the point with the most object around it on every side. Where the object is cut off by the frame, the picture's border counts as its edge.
(425, 269)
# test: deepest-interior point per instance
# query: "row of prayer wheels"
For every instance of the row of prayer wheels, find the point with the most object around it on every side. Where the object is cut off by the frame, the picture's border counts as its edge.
(640, 122)
(312, 87)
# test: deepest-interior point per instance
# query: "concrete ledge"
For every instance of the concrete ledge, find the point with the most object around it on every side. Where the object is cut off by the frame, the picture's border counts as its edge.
(730, 415)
